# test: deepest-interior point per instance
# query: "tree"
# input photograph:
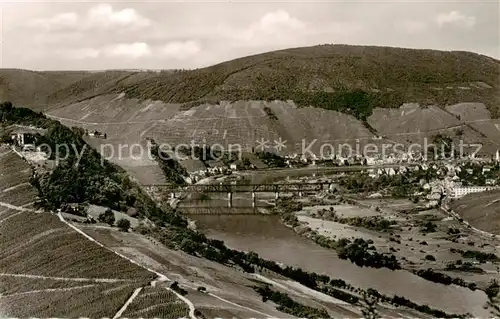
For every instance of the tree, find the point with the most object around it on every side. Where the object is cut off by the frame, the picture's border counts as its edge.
(246, 162)
(430, 257)
(107, 217)
(369, 310)
(123, 224)
(7, 106)
(492, 291)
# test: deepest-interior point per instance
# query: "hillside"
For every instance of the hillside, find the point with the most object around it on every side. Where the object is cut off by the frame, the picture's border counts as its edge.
(356, 93)
(480, 210)
(46, 268)
(351, 79)
(31, 88)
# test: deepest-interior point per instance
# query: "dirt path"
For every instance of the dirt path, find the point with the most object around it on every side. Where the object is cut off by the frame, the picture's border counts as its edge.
(16, 186)
(128, 302)
(101, 280)
(240, 306)
(161, 277)
(101, 123)
(14, 207)
(20, 209)
(47, 290)
(9, 217)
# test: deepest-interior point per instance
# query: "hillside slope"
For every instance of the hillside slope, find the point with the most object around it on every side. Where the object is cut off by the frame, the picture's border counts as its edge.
(362, 92)
(480, 210)
(31, 88)
(351, 79)
(46, 268)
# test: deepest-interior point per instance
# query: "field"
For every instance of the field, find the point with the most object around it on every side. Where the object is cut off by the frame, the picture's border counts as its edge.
(480, 210)
(409, 239)
(46, 268)
(155, 302)
(242, 123)
(93, 301)
(32, 88)
(190, 272)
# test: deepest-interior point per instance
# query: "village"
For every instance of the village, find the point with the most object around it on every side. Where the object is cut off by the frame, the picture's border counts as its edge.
(451, 178)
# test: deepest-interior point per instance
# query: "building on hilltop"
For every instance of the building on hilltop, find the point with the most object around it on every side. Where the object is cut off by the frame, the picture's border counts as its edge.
(26, 136)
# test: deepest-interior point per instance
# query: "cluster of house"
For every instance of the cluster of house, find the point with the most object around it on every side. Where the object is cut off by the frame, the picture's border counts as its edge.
(199, 169)
(452, 188)
(25, 137)
(378, 159)
(24, 140)
(448, 182)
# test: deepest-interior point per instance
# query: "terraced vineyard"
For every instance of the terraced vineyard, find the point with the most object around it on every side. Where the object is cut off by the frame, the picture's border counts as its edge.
(155, 302)
(243, 123)
(81, 301)
(46, 268)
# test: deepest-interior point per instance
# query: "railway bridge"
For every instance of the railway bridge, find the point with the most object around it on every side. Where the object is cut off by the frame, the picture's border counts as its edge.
(230, 189)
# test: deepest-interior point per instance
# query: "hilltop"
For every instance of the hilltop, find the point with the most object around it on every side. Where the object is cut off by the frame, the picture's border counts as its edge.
(333, 93)
(350, 79)
(32, 88)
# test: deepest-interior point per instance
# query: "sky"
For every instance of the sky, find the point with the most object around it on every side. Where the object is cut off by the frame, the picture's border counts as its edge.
(93, 35)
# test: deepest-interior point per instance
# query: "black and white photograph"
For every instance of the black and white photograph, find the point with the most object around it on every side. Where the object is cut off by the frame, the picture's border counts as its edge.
(237, 159)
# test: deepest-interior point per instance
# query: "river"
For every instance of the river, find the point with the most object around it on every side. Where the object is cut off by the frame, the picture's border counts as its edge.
(267, 236)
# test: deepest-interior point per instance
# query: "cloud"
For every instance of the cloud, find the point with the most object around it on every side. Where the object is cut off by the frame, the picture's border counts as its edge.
(180, 49)
(128, 50)
(273, 25)
(101, 16)
(455, 18)
(60, 21)
(113, 34)
(279, 19)
(104, 15)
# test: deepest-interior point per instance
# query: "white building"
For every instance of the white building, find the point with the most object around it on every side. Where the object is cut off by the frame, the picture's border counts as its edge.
(372, 172)
(486, 169)
(460, 191)
(390, 171)
(371, 160)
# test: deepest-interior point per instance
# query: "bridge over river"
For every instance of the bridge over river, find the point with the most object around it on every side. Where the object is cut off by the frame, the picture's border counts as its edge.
(230, 189)
(299, 187)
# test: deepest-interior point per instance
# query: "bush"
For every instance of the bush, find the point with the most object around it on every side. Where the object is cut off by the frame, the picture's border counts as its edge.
(175, 287)
(173, 171)
(123, 224)
(493, 289)
(107, 217)
(288, 305)
(430, 257)
(428, 227)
